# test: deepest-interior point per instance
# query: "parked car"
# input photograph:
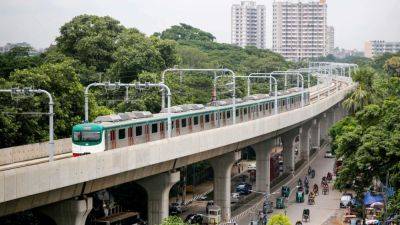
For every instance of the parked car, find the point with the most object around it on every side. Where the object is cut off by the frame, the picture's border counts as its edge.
(328, 154)
(345, 200)
(243, 188)
(194, 219)
(175, 208)
(235, 197)
(252, 166)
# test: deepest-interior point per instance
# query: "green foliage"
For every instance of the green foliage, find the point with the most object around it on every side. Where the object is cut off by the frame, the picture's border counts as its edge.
(90, 39)
(368, 141)
(17, 58)
(186, 32)
(364, 93)
(92, 48)
(392, 66)
(173, 220)
(279, 219)
(135, 53)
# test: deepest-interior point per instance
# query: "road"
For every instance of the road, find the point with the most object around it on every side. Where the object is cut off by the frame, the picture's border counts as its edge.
(325, 206)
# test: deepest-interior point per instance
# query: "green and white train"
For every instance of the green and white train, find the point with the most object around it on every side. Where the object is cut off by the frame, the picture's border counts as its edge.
(131, 128)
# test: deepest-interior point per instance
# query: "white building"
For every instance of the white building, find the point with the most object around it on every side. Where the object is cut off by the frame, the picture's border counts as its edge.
(299, 29)
(330, 40)
(248, 24)
(379, 47)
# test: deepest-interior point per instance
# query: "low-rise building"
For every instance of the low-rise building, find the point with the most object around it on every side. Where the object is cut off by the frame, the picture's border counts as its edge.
(379, 47)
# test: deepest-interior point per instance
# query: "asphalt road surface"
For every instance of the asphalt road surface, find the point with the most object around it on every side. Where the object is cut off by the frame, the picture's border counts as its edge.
(326, 206)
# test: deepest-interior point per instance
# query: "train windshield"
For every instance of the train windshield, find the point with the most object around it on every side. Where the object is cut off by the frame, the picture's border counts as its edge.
(86, 136)
(90, 136)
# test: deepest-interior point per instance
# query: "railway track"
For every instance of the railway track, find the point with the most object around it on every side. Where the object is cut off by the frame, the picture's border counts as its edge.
(319, 94)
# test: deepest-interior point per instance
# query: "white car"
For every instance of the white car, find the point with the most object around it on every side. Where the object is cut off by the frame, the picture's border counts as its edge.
(235, 197)
(252, 166)
(329, 154)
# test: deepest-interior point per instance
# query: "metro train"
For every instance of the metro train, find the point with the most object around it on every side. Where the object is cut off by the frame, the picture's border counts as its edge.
(132, 128)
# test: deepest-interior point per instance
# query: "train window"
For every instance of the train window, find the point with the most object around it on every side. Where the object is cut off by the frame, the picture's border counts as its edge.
(121, 134)
(245, 111)
(260, 107)
(207, 118)
(228, 114)
(139, 131)
(183, 122)
(172, 125)
(77, 136)
(237, 112)
(195, 120)
(154, 128)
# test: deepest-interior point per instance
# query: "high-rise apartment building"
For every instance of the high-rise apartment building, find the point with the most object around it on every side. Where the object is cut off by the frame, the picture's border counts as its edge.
(379, 47)
(299, 29)
(248, 24)
(330, 40)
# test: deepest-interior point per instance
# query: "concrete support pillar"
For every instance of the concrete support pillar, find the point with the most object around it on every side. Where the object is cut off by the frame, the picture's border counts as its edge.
(323, 126)
(69, 212)
(288, 150)
(222, 166)
(315, 134)
(263, 150)
(157, 188)
(330, 115)
(305, 141)
(336, 113)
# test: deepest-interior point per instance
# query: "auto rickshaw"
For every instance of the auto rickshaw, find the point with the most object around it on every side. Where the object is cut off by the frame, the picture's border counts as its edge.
(306, 215)
(285, 192)
(214, 215)
(300, 196)
(280, 203)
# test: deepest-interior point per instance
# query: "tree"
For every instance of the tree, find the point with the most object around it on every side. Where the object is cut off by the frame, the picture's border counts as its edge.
(173, 220)
(17, 58)
(134, 54)
(168, 50)
(364, 93)
(90, 39)
(392, 66)
(62, 81)
(279, 219)
(186, 32)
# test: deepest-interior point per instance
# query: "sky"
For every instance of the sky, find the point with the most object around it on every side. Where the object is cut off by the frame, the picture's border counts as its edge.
(38, 21)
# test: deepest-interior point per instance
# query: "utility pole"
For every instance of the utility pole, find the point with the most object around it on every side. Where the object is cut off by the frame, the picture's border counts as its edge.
(28, 91)
(118, 85)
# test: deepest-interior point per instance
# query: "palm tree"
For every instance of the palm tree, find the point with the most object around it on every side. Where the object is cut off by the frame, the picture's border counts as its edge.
(364, 94)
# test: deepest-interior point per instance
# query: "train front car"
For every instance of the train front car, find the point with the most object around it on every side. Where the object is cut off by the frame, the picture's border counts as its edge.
(87, 138)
